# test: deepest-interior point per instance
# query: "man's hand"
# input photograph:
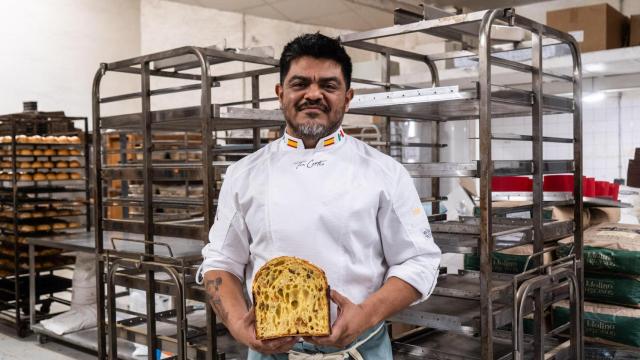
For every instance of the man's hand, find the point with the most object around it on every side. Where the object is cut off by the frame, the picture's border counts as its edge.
(351, 322)
(245, 332)
(227, 300)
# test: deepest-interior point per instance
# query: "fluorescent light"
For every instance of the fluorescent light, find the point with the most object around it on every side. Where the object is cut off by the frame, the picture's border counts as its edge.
(594, 97)
(596, 67)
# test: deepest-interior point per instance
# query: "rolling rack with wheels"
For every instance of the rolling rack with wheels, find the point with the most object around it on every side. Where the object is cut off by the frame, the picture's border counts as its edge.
(142, 241)
(44, 193)
(478, 314)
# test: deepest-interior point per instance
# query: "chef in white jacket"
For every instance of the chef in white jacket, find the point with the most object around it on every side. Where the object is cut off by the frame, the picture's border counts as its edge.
(321, 195)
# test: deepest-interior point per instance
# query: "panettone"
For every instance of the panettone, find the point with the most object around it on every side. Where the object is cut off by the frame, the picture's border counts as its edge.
(291, 298)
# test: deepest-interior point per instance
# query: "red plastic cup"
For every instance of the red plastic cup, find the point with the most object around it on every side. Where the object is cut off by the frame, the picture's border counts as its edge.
(558, 183)
(589, 187)
(602, 189)
(613, 191)
(511, 184)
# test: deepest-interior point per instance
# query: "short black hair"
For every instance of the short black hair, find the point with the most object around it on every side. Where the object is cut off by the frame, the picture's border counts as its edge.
(317, 46)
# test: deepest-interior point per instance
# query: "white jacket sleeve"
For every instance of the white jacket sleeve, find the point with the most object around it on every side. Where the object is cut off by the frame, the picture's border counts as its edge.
(408, 245)
(228, 247)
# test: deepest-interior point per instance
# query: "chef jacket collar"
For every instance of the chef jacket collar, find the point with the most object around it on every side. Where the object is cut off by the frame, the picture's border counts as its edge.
(333, 140)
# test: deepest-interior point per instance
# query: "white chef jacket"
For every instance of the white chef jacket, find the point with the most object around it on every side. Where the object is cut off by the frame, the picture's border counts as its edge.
(344, 206)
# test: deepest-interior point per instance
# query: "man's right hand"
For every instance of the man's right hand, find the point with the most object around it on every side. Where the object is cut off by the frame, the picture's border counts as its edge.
(245, 332)
(227, 299)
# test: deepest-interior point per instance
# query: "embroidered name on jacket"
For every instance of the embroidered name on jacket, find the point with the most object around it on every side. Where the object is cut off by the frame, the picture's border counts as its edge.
(309, 164)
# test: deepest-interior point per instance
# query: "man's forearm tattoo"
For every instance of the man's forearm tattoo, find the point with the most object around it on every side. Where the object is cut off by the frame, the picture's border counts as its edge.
(213, 291)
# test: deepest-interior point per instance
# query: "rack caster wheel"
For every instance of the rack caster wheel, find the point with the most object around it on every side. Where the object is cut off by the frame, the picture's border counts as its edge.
(42, 339)
(45, 308)
(23, 332)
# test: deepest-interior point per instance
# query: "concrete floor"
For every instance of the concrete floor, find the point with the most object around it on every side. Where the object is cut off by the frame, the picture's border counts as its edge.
(12, 347)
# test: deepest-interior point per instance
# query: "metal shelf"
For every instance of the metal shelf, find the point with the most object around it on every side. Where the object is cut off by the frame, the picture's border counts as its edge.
(435, 344)
(189, 119)
(85, 242)
(559, 199)
(184, 231)
(460, 237)
(41, 189)
(448, 104)
(501, 168)
(453, 314)
(158, 202)
(85, 339)
(604, 202)
(466, 285)
(182, 61)
(160, 172)
(516, 137)
(42, 146)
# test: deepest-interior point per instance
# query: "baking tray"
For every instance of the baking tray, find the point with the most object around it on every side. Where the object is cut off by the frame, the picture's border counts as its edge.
(449, 103)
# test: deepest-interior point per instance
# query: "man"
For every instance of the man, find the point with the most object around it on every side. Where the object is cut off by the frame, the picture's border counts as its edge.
(330, 199)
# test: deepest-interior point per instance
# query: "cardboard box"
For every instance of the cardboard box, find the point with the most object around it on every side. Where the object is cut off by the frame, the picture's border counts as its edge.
(634, 30)
(564, 213)
(601, 215)
(633, 173)
(595, 27)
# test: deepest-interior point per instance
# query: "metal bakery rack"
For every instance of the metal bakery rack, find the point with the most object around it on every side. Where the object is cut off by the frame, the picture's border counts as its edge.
(479, 314)
(44, 193)
(154, 204)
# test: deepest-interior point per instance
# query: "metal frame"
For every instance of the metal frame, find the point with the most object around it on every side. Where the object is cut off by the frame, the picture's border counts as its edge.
(21, 297)
(484, 103)
(204, 119)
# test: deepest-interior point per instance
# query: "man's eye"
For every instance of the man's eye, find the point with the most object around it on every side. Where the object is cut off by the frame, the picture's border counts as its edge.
(331, 86)
(297, 85)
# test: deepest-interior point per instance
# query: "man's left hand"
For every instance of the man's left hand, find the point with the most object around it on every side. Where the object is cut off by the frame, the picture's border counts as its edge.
(352, 321)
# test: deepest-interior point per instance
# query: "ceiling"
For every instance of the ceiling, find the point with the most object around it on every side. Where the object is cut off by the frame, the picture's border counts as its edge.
(342, 14)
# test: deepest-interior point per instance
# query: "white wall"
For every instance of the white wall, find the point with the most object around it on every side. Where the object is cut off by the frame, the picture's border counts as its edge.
(51, 50)
(609, 130)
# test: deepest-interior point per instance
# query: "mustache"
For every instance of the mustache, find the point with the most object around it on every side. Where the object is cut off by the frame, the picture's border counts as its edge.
(312, 104)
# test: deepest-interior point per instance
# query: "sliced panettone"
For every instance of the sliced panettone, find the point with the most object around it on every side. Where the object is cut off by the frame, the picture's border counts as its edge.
(291, 298)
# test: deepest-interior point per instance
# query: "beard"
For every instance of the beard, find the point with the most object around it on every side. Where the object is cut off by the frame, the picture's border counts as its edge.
(311, 129)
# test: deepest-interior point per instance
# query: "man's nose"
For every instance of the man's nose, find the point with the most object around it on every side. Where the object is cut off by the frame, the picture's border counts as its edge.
(313, 92)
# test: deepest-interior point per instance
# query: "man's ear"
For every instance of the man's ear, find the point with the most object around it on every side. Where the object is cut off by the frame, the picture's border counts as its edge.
(348, 97)
(279, 92)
